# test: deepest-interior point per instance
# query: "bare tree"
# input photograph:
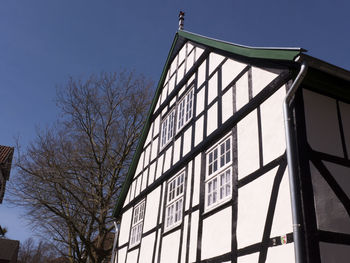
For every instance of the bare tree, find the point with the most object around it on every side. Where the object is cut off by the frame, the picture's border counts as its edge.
(41, 252)
(69, 178)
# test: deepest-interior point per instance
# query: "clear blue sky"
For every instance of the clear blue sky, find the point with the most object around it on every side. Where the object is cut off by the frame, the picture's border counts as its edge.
(44, 42)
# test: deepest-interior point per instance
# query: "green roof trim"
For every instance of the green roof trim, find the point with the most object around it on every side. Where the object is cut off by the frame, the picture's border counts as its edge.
(251, 52)
(288, 54)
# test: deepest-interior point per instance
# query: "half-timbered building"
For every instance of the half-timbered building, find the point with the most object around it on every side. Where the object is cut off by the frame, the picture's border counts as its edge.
(244, 158)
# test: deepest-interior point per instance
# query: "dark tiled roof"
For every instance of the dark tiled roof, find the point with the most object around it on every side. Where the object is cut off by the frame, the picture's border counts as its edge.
(9, 250)
(5, 153)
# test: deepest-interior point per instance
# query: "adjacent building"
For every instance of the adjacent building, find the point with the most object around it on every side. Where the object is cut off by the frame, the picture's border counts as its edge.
(240, 145)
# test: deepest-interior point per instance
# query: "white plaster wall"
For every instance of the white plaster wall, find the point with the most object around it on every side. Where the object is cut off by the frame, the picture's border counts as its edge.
(252, 258)
(144, 180)
(170, 248)
(184, 240)
(127, 197)
(242, 91)
(333, 253)
(159, 166)
(253, 201)
(260, 79)
(201, 73)
(154, 149)
(167, 162)
(152, 206)
(272, 126)
(216, 235)
(149, 135)
(345, 115)
(188, 185)
(172, 102)
(164, 93)
(199, 131)
(282, 221)
(213, 88)
(200, 101)
(182, 53)
(230, 69)
(125, 227)
(212, 118)
(121, 255)
(193, 237)
(147, 154)
(180, 73)
(152, 170)
(321, 115)
(172, 83)
(138, 185)
(132, 256)
(173, 65)
(177, 147)
(196, 179)
(139, 164)
(189, 61)
(227, 105)
(156, 126)
(187, 141)
(146, 250)
(248, 145)
(158, 104)
(283, 253)
(214, 61)
(132, 192)
(330, 212)
(199, 52)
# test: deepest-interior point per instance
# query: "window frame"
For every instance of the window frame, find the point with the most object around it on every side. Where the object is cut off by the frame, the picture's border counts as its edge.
(137, 223)
(175, 204)
(166, 119)
(216, 175)
(185, 99)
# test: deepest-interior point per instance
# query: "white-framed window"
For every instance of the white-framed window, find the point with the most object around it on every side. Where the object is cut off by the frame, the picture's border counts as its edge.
(137, 223)
(184, 110)
(218, 184)
(174, 201)
(167, 128)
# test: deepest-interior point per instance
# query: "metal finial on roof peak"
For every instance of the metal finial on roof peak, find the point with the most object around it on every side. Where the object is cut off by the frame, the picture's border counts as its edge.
(181, 20)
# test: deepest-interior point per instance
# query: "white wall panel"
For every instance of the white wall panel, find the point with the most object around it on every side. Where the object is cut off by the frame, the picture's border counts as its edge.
(333, 253)
(170, 248)
(125, 227)
(133, 189)
(214, 61)
(199, 131)
(188, 185)
(252, 258)
(139, 164)
(149, 135)
(193, 236)
(216, 236)
(157, 105)
(180, 73)
(167, 162)
(248, 145)
(177, 147)
(200, 101)
(213, 88)
(182, 53)
(152, 206)
(187, 141)
(127, 197)
(227, 105)
(138, 185)
(201, 73)
(154, 149)
(321, 115)
(132, 256)
(189, 61)
(212, 118)
(159, 166)
(156, 126)
(164, 93)
(261, 78)
(283, 253)
(273, 138)
(230, 69)
(253, 201)
(242, 92)
(144, 180)
(172, 102)
(184, 240)
(199, 52)
(282, 221)
(196, 180)
(147, 154)
(330, 212)
(122, 255)
(152, 172)
(173, 65)
(345, 115)
(147, 246)
(172, 83)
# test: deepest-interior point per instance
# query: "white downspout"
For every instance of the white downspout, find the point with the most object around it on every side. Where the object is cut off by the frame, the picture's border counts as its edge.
(114, 255)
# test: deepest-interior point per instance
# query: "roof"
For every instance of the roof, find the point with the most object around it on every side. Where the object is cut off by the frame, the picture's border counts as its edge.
(5, 153)
(9, 249)
(281, 55)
